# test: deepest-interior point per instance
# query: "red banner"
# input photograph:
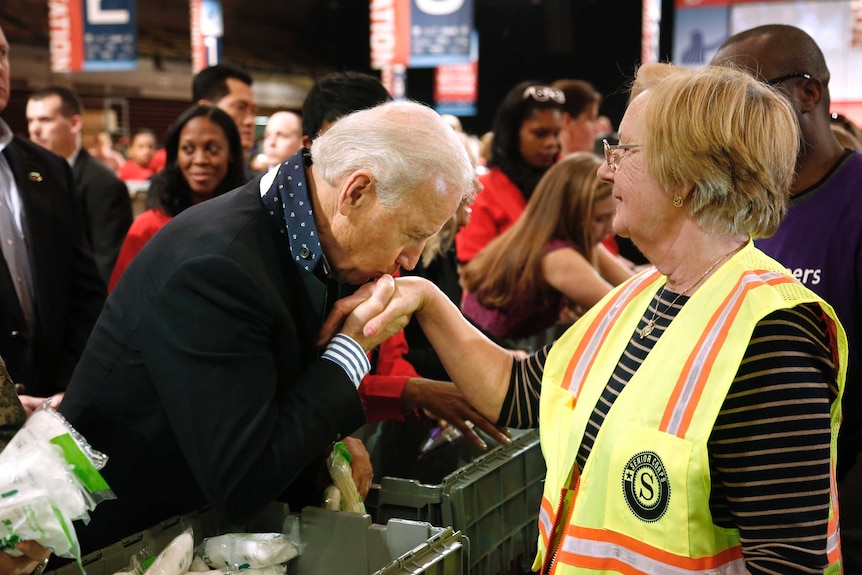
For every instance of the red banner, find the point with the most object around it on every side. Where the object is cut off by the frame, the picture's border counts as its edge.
(390, 33)
(456, 82)
(207, 30)
(703, 3)
(199, 51)
(66, 25)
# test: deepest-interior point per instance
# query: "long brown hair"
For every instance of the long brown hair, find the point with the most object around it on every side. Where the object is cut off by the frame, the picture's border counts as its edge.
(561, 207)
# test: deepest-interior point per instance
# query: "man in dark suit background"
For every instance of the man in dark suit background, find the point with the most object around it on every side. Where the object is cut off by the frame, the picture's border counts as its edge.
(54, 121)
(50, 291)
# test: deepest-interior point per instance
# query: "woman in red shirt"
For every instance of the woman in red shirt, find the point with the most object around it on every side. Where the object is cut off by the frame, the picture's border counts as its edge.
(525, 144)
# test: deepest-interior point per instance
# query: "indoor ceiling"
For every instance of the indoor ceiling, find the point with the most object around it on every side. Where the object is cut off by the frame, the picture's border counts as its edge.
(281, 36)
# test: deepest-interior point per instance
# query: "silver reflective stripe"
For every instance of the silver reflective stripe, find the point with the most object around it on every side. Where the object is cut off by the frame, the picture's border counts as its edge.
(701, 354)
(832, 537)
(605, 550)
(545, 520)
(604, 326)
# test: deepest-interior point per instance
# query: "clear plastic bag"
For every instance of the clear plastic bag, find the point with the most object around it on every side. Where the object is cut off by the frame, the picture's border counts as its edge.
(176, 558)
(49, 476)
(248, 551)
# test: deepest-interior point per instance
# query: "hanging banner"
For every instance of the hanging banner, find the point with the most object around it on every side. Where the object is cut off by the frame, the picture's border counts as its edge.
(456, 85)
(420, 33)
(650, 27)
(92, 35)
(66, 38)
(440, 32)
(207, 29)
(390, 34)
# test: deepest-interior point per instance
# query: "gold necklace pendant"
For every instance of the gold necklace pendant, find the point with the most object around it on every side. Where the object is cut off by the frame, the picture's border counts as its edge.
(650, 325)
(647, 329)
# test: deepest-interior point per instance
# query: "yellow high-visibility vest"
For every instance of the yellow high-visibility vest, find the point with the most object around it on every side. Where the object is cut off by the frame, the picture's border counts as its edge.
(641, 504)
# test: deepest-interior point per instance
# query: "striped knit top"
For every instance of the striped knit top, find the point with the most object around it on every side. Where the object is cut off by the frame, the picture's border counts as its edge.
(769, 448)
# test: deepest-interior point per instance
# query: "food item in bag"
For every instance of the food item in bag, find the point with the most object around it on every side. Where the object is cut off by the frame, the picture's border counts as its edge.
(176, 557)
(248, 550)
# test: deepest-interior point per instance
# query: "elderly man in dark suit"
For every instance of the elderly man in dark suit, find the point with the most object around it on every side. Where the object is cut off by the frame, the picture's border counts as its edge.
(50, 291)
(204, 380)
(55, 123)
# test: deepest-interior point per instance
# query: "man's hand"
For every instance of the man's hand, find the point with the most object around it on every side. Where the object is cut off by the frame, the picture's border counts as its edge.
(446, 402)
(32, 403)
(33, 556)
(360, 465)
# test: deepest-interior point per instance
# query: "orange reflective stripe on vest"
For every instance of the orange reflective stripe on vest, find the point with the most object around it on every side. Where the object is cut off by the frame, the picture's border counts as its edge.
(599, 549)
(588, 348)
(692, 380)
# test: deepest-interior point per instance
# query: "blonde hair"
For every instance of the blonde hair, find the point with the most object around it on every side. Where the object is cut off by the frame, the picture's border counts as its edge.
(733, 138)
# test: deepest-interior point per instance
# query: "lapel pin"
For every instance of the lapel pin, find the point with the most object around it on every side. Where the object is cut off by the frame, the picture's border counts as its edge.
(35, 176)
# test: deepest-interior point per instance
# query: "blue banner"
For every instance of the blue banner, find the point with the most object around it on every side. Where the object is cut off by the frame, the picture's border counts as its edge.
(110, 41)
(440, 32)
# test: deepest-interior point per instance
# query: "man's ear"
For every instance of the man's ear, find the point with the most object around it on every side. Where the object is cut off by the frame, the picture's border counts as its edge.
(357, 191)
(306, 141)
(809, 93)
(76, 122)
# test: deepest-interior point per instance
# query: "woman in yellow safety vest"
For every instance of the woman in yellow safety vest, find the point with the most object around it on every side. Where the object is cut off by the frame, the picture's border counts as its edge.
(689, 419)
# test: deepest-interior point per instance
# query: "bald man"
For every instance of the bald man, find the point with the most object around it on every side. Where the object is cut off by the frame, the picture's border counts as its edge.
(282, 137)
(826, 258)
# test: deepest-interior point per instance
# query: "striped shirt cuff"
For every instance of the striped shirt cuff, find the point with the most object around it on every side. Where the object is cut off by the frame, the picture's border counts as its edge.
(344, 351)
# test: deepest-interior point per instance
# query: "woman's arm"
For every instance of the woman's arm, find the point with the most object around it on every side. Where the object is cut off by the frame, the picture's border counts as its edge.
(480, 368)
(613, 268)
(570, 273)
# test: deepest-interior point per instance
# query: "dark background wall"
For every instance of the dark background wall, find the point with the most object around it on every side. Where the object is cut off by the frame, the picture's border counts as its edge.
(542, 40)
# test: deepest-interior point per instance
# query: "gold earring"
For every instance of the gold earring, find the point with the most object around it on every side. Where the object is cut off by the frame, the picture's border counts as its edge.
(677, 201)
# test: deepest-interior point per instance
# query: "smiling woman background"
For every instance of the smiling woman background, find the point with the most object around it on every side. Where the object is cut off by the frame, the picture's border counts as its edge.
(204, 160)
(525, 143)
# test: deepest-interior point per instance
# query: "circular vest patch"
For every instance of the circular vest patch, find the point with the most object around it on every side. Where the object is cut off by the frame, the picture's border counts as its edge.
(646, 487)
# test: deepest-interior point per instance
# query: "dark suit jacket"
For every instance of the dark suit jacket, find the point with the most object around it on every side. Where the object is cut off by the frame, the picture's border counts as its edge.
(68, 293)
(201, 381)
(107, 209)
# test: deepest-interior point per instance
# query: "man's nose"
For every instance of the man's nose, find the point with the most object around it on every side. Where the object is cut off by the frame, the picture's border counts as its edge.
(410, 256)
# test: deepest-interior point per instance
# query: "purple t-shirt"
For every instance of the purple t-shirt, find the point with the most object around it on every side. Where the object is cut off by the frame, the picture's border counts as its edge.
(820, 242)
(522, 318)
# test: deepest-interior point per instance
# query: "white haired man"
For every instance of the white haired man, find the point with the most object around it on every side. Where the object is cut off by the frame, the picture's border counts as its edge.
(204, 378)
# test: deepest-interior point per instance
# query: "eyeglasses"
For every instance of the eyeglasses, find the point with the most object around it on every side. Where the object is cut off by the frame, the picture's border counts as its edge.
(780, 79)
(544, 94)
(611, 156)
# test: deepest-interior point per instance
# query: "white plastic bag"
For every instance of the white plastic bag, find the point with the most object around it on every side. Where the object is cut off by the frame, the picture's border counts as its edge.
(49, 476)
(176, 558)
(248, 550)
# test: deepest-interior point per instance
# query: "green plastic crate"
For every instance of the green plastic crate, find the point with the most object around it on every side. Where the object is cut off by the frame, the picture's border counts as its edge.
(494, 501)
(335, 542)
